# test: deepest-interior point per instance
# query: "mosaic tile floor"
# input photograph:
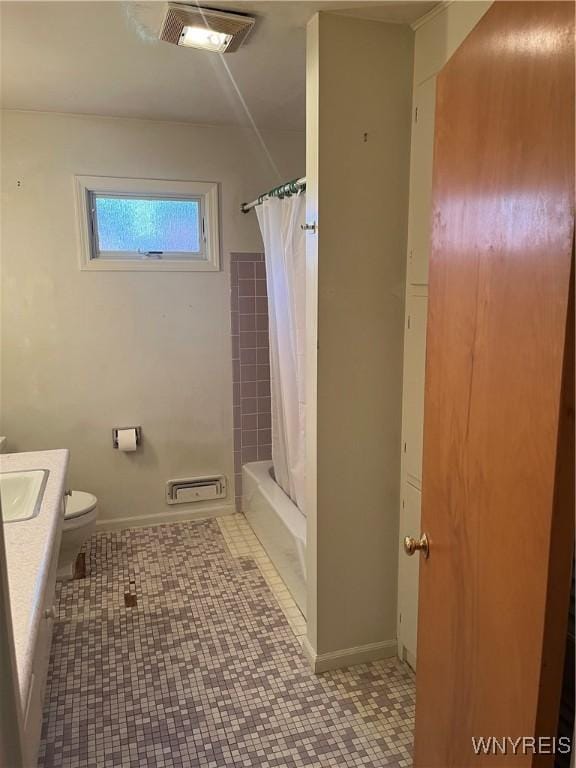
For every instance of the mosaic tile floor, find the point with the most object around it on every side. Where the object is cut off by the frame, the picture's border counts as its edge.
(173, 651)
(242, 542)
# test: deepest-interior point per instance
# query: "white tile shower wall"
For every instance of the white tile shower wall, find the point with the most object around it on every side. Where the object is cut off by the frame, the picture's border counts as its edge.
(250, 363)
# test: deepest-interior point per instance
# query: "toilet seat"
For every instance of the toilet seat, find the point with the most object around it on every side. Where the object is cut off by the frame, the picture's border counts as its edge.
(79, 503)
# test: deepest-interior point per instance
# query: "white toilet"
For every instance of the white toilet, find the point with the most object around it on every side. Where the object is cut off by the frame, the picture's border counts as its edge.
(79, 524)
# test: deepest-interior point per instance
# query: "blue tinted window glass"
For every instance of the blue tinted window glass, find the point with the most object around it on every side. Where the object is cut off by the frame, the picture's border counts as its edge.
(129, 224)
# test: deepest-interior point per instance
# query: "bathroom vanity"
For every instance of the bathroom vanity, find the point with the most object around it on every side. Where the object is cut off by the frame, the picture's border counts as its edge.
(32, 489)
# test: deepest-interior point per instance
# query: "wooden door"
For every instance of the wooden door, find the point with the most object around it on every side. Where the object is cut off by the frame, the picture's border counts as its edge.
(497, 499)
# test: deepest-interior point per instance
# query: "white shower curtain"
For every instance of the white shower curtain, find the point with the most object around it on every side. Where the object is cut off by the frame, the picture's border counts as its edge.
(285, 253)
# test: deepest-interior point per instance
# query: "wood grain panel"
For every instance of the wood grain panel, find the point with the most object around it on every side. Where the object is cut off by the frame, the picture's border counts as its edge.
(498, 304)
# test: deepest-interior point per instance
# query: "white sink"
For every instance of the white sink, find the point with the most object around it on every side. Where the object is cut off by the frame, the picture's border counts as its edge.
(21, 494)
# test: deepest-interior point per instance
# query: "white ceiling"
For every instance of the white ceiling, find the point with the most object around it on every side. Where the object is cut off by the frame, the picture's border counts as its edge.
(105, 58)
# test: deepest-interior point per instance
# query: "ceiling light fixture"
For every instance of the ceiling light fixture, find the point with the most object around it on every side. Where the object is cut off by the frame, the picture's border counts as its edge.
(204, 28)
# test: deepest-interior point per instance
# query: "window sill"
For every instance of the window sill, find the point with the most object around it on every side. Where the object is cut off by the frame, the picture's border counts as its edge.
(148, 265)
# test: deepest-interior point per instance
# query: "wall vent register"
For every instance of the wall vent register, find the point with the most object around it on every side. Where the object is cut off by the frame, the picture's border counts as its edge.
(135, 224)
(195, 489)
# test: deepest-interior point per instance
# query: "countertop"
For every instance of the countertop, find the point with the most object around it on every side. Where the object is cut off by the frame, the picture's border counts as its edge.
(29, 552)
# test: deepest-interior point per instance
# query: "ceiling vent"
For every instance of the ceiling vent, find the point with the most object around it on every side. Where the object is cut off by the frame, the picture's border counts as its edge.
(194, 27)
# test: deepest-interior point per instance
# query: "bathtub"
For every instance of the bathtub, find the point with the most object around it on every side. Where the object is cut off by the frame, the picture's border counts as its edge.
(278, 524)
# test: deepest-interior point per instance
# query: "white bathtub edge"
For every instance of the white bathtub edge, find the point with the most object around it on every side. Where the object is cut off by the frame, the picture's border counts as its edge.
(295, 519)
(279, 526)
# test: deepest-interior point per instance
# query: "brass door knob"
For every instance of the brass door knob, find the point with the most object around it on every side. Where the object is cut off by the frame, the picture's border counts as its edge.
(411, 545)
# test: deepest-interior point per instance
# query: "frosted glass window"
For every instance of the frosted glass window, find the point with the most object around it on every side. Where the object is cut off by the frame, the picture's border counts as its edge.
(133, 225)
(147, 226)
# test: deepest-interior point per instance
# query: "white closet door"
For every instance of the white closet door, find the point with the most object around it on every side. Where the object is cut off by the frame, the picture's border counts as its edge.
(412, 432)
(421, 182)
(408, 574)
(414, 367)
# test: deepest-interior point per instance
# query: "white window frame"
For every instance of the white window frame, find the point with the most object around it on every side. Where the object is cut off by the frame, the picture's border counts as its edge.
(208, 260)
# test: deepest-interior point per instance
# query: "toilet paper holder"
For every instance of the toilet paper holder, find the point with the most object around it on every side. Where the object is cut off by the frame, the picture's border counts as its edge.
(115, 431)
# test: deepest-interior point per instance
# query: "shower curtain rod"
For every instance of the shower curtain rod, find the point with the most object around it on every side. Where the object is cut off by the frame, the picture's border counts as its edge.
(284, 190)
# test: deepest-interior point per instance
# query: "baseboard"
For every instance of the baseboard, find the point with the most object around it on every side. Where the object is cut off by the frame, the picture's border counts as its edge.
(407, 657)
(169, 516)
(348, 657)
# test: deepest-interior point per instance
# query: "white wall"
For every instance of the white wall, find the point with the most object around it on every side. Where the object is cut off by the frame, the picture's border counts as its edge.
(85, 351)
(437, 36)
(358, 146)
